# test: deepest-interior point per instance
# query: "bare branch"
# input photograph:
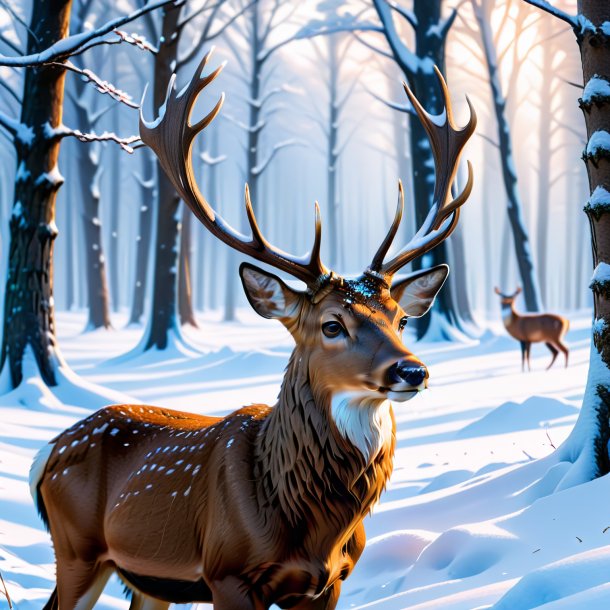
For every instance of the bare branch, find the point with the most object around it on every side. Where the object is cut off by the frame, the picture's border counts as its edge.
(66, 47)
(370, 46)
(408, 15)
(260, 168)
(406, 108)
(572, 20)
(10, 90)
(18, 19)
(489, 140)
(11, 125)
(10, 45)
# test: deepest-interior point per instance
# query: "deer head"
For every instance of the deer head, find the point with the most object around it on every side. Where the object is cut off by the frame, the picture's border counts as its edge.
(507, 300)
(347, 331)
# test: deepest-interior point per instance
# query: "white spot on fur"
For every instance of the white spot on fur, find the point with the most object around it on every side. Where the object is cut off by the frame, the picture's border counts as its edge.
(38, 467)
(364, 421)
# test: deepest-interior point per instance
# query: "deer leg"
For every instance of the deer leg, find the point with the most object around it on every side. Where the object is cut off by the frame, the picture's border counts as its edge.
(80, 583)
(230, 593)
(139, 601)
(528, 347)
(523, 349)
(53, 603)
(564, 348)
(554, 351)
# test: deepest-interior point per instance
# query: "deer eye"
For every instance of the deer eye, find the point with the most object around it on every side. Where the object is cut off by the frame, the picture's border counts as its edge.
(332, 329)
(402, 323)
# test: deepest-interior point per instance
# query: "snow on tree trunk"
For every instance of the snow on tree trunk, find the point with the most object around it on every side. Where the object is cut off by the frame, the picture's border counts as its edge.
(589, 440)
(28, 308)
(523, 254)
(588, 444)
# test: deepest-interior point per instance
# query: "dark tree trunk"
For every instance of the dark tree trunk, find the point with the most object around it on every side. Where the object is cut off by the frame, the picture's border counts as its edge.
(147, 198)
(185, 292)
(95, 266)
(28, 307)
(114, 201)
(515, 206)
(166, 249)
(588, 444)
(332, 154)
(88, 169)
(429, 51)
(255, 126)
(595, 55)
(544, 155)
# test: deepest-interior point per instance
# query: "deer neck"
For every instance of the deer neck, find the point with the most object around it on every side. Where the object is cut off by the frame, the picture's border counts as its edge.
(509, 315)
(318, 451)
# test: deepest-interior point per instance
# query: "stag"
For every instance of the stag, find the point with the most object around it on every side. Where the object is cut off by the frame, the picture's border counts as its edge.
(547, 328)
(266, 505)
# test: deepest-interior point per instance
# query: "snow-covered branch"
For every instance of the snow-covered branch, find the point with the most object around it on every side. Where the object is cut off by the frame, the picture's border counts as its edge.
(128, 144)
(102, 86)
(261, 167)
(66, 47)
(553, 10)
(407, 108)
(405, 13)
(210, 160)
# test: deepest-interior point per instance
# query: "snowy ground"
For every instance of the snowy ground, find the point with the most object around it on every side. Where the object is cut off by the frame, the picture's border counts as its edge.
(469, 519)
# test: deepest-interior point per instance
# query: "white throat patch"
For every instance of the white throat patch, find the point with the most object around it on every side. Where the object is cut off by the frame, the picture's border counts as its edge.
(364, 421)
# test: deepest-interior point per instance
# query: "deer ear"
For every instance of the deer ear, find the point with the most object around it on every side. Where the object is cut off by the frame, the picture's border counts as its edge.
(269, 296)
(416, 293)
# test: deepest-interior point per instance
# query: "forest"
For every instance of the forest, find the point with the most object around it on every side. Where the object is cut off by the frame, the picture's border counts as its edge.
(114, 291)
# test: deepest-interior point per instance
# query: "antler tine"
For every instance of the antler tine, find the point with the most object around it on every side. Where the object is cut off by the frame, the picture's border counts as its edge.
(171, 137)
(447, 142)
(389, 238)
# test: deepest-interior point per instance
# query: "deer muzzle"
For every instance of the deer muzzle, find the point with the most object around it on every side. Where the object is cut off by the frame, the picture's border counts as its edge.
(405, 379)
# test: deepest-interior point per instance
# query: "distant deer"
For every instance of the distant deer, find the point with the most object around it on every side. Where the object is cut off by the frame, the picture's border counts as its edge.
(531, 328)
(264, 506)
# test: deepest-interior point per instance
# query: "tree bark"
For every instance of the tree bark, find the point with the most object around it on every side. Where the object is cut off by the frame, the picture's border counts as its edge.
(531, 291)
(429, 51)
(143, 246)
(185, 292)
(166, 247)
(28, 307)
(595, 55)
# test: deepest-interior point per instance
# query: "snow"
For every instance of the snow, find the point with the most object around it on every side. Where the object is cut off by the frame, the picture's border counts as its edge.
(599, 201)
(601, 274)
(598, 144)
(597, 89)
(473, 516)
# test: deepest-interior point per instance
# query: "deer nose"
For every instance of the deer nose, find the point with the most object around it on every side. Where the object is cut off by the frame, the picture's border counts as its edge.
(407, 371)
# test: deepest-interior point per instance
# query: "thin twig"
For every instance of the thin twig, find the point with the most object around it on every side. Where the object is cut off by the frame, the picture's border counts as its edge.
(8, 597)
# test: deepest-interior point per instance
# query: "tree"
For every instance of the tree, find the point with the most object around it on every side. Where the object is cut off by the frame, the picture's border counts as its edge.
(431, 30)
(164, 325)
(29, 324)
(587, 446)
(482, 12)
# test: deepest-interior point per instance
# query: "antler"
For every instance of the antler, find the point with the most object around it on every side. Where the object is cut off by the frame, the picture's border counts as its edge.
(171, 138)
(447, 143)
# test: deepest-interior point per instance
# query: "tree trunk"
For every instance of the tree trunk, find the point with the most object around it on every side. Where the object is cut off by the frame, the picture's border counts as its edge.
(95, 266)
(147, 198)
(515, 214)
(164, 301)
(595, 55)
(332, 154)
(114, 201)
(185, 293)
(28, 307)
(544, 155)
(429, 51)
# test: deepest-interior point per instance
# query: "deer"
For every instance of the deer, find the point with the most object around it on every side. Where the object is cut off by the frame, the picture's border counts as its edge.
(548, 328)
(266, 505)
